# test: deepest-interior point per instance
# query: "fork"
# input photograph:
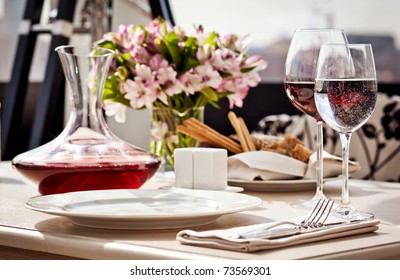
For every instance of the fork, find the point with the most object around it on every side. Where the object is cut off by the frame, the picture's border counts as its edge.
(319, 213)
(316, 219)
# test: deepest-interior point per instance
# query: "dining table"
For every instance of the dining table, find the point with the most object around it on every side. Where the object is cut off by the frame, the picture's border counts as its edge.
(27, 234)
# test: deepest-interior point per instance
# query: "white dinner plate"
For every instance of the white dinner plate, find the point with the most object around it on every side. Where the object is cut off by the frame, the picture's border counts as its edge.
(142, 209)
(277, 185)
(226, 189)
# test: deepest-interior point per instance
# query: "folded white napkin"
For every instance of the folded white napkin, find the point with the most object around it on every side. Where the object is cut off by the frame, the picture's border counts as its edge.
(222, 239)
(266, 165)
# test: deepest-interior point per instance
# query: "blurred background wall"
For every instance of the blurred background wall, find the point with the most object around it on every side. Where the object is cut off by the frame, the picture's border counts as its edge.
(270, 24)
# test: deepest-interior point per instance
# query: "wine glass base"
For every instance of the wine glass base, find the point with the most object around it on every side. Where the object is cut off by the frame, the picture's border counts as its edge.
(308, 204)
(350, 213)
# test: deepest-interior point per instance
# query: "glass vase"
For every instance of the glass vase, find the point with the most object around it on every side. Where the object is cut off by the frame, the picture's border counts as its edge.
(86, 155)
(165, 138)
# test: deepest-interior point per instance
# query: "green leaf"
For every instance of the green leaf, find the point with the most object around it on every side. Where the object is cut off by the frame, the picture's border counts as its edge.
(171, 42)
(190, 46)
(119, 60)
(214, 104)
(190, 63)
(210, 94)
(122, 73)
(246, 70)
(211, 39)
(224, 94)
(107, 44)
(224, 74)
(163, 26)
(126, 56)
(164, 51)
(187, 103)
(111, 93)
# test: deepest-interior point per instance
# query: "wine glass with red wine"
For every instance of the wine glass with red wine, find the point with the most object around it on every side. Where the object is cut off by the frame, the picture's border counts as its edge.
(345, 96)
(299, 80)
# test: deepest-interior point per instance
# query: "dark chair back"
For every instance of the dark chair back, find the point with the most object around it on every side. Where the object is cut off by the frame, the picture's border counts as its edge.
(21, 133)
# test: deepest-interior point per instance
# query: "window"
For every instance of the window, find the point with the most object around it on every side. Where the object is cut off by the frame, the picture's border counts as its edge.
(271, 25)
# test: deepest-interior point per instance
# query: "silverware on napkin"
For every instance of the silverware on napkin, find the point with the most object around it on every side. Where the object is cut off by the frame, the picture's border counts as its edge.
(275, 231)
(315, 221)
(315, 227)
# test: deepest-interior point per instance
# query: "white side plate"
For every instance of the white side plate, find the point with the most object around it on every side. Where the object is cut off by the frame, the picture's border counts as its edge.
(277, 185)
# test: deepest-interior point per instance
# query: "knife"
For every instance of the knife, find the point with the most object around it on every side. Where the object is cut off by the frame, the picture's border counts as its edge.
(272, 232)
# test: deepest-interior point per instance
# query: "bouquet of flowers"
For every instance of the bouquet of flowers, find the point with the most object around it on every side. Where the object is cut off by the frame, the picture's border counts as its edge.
(159, 65)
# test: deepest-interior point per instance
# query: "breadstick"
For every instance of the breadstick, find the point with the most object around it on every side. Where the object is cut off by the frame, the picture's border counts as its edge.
(236, 125)
(214, 136)
(247, 135)
(192, 133)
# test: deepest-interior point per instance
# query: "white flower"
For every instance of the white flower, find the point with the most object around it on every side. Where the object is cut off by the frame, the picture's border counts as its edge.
(209, 76)
(255, 61)
(173, 88)
(203, 53)
(191, 83)
(251, 79)
(158, 132)
(144, 74)
(155, 92)
(157, 61)
(226, 60)
(136, 93)
(115, 109)
(165, 75)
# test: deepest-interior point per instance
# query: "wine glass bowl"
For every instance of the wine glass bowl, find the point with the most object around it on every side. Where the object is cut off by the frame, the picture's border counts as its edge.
(346, 105)
(301, 95)
(300, 66)
(299, 82)
(345, 96)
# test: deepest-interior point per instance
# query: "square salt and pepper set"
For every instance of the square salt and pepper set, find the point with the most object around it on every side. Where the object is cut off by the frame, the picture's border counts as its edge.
(201, 168)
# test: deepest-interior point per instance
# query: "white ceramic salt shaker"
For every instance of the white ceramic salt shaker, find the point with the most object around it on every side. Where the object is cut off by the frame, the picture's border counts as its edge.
(210, 169)
(201, 168)
(183, 165)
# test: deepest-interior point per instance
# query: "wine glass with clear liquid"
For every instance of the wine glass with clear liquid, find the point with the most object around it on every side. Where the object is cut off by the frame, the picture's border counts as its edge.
(345, 95)
(299, 81)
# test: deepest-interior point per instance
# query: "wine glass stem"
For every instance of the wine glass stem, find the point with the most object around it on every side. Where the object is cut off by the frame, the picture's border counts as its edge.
(320, 163)
(345, 140)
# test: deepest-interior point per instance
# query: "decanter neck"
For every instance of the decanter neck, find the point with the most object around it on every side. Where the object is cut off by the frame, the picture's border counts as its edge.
(85, 69)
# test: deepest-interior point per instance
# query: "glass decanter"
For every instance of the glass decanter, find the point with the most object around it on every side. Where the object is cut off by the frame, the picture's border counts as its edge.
(86, 155)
